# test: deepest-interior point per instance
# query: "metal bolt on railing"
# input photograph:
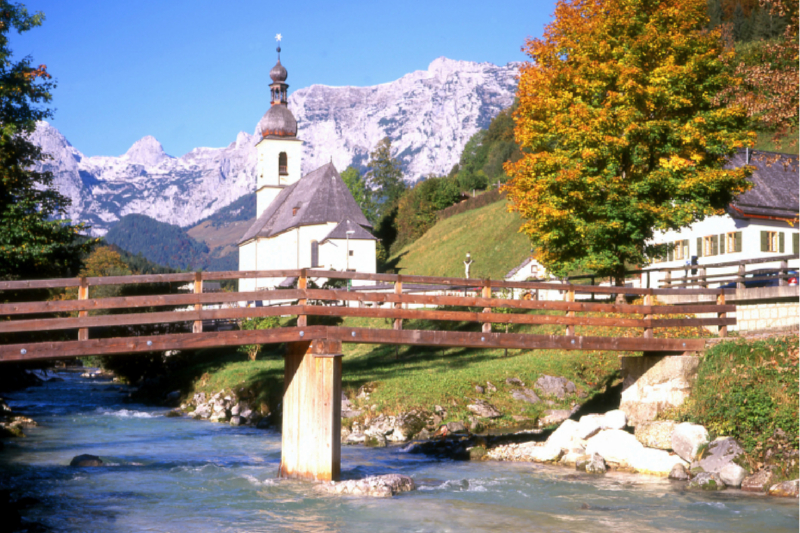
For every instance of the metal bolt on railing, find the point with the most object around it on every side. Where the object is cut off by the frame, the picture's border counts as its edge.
(23, 351)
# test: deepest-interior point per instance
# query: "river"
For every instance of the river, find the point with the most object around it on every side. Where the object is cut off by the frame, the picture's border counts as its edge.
(166, 474)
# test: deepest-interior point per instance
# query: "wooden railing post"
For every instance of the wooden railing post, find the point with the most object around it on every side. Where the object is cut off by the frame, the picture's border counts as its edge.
(486, 292)
(702, 273)
(740, 277)
(570, 297)
(668, 280)
(83, 294)
(648, 331)
(398, 289)
(592, 286)
(723, 330)
(784, 270)
(302, 284)
(197, 327)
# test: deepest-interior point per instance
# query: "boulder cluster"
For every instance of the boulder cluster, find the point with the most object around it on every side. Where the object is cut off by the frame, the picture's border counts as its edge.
(682, 452)
(377, 486)
(226, 408)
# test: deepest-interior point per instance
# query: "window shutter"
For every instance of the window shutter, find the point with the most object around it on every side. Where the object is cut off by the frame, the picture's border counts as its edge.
(714, 245)
(686, 249)
(699, 247)
(795, 243)
(737, 241)
(671, 252)
(722, 243)
(764, 241)
(781, 242)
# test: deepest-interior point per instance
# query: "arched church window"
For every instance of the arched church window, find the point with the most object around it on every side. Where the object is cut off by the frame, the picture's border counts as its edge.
(314, 254)
(282, 164)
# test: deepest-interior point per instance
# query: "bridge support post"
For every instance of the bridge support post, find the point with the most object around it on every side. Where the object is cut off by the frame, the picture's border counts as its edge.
(312, 411)
(197, 326)
(83, 294)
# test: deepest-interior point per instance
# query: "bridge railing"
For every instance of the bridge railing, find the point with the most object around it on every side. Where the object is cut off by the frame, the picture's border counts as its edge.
(394, 297)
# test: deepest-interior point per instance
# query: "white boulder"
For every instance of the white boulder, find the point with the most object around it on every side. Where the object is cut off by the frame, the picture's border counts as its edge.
(614, 445)
(655, 462)
(687, 439)
(566, 437)
(588, 426)
(614, 420)
(732, 475)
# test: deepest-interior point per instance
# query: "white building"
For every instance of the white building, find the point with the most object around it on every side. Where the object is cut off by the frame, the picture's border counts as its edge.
(760, 223)
(301, 222)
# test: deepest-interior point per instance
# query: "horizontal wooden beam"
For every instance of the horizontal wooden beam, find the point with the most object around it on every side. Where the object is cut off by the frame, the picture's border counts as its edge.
(190, 341)
(138, 319)
(124, 302)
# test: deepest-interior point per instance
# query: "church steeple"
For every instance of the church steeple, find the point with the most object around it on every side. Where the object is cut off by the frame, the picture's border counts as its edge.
(279, 151)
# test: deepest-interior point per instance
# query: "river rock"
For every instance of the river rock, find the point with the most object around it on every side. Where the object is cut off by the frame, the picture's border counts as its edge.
(679, 473)
(788, 489)
(424, 434)
(656, 434)
(236, 420)
(484, 409)
(456, 427)
(554, 416)
(595, 465)
(688, 439)
(707, 481)
(375, 486)
(355, 438)
(566, 437)
(720, 453)
(545, 454)
(614, 445)
(588, 426)
(22, 422)
(758, 482)
(615, 419)
(655, 462)
(375, 440)
(732, 475)
(86, 460)
(202, 411)
(555, 386)
(515, 381)
(525, 395)
(406, 425)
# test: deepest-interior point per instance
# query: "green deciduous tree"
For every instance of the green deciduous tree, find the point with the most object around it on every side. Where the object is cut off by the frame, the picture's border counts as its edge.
(361, 193)
(620, 131)
(416, 211)
(35, 241)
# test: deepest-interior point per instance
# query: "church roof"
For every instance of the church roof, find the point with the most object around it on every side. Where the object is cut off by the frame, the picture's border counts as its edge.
(318, 197)
(775, 189)
(341, 229)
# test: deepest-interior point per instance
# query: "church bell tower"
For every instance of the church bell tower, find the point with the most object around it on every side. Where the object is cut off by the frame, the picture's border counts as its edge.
(279, 150)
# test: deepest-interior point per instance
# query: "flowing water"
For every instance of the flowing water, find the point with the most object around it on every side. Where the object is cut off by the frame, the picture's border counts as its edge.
(176, 475)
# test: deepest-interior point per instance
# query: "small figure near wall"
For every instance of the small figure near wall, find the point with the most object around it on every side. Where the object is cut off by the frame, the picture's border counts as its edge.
(467, 264)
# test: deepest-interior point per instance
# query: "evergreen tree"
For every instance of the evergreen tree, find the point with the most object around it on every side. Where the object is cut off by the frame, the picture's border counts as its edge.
(35, 240)
(715, 13)
(385, 177)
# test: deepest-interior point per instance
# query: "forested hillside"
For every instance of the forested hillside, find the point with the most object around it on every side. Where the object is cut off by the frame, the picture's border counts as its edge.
(162, 243)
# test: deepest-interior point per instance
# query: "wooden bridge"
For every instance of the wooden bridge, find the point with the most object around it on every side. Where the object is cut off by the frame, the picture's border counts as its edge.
(313, 366)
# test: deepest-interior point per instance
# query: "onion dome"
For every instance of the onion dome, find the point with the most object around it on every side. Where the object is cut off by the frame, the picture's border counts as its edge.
(278, 72)
(278, 121)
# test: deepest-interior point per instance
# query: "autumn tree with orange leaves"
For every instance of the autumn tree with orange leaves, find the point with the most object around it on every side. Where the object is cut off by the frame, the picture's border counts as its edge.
(621, 132)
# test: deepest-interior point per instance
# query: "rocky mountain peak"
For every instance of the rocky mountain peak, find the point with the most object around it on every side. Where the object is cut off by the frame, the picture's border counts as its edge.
(147, 152)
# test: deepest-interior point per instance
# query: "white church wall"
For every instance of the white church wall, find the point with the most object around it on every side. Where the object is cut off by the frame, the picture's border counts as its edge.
(268, 171)
(247, 261)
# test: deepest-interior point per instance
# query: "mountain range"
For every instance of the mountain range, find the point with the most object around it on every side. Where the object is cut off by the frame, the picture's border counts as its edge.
(429, 116)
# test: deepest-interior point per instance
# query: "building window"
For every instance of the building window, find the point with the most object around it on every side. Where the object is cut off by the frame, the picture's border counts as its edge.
(772, 241)
(314, 254)
(351, 253)
(795, 243)
(295, 210)
(680, 250)
(282, 164)
(733, 242)
(709, 246)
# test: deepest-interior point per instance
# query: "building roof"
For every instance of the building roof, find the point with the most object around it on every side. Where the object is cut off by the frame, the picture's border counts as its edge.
(278, 121)
(341, 229)
(318, 197)
(775, 191)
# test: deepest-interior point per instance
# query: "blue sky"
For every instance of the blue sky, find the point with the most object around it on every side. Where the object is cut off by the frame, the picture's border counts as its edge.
(195, 72)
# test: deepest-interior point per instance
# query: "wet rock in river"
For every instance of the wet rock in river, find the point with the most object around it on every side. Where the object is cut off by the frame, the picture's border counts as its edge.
(788, 489)
(86, 460)
(374, 486)
(709, 481)
(758, 482)
(679, 473)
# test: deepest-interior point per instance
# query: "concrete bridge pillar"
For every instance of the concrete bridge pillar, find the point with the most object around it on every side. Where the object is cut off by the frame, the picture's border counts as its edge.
(312, 411)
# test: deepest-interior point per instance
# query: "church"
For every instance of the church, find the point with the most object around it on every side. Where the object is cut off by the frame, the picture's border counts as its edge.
(301, 222)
